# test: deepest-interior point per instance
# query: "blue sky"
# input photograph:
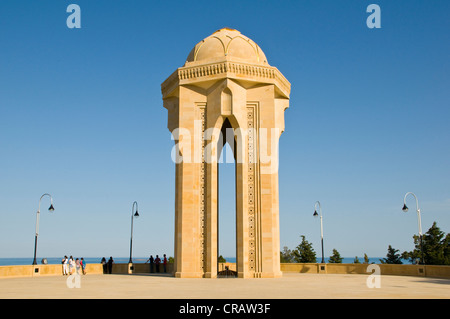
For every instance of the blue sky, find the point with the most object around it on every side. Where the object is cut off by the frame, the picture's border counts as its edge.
(81, 117)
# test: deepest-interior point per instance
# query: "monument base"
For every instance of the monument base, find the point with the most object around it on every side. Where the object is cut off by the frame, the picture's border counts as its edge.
(180, 274)
(260, 274)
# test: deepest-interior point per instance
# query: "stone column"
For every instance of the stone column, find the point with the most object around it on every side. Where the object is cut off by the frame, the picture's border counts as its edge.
(216, 87)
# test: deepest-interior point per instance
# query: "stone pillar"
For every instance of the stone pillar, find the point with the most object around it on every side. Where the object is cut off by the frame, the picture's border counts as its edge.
(226, 82)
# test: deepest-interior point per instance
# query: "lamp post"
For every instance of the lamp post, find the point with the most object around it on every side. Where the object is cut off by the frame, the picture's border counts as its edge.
(419, 221)
(136, 215)
(50, 209)
(321, 225)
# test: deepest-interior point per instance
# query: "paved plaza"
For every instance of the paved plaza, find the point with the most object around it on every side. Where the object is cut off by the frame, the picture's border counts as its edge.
(290, 286)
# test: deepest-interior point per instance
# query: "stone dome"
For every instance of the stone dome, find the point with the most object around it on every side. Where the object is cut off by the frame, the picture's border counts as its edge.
(227, 43)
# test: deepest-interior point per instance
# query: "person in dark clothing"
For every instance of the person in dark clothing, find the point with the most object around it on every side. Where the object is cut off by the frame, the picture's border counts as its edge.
(165, 263)
(104, 264)
(157, 262)
(110, 264)
(151, 260)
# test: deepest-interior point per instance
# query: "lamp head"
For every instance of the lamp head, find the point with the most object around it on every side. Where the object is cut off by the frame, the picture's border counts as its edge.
(51, 208)
(315, 213)
(136, 214)
(405, 208)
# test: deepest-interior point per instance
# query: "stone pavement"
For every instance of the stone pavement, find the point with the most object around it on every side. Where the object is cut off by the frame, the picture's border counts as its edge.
(290, 286)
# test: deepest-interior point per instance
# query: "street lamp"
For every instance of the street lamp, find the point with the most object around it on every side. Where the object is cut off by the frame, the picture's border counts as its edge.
(321, 226)
(50, 209)
(405, 209)
(136, 215)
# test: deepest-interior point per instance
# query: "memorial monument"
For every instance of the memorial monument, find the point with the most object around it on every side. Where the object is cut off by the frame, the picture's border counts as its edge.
(226, 86)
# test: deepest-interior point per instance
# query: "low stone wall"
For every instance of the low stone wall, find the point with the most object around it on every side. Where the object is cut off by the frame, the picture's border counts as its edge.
(140, 268)
(313, 268)
(57, 270)
(42, 270)
(385, 269)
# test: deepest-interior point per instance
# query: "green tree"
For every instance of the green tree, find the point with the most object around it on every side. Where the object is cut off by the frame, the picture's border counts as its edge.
(436, 247)
(366, 259)
(356, 260)
(221, 259)
(392, 257)
(335, 258)
(415, 255)
(446, 244)
(304, 253)
(286, 255)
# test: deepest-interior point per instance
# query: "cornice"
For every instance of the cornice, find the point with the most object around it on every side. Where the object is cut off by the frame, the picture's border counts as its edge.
(226, 69)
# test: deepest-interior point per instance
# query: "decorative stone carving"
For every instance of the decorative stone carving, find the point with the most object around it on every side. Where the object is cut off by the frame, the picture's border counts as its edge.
(226, 79)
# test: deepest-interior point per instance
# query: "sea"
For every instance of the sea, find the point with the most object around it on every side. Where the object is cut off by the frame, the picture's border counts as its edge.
(57, 260)
(123, 260)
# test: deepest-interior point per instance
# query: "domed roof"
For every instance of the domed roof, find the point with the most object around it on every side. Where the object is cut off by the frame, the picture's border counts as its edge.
(228, 43)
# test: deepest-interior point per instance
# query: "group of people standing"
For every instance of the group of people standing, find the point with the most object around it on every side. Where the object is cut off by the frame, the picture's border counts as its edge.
(157, 261)
(71, 266)
(107, 265)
